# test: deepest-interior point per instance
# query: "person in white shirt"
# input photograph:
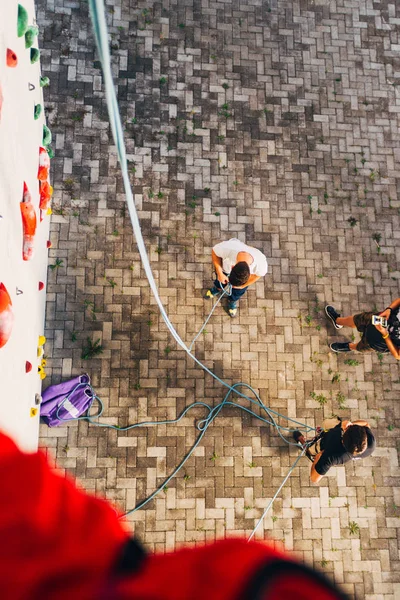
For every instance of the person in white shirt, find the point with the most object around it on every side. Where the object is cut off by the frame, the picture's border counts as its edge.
(237, 264)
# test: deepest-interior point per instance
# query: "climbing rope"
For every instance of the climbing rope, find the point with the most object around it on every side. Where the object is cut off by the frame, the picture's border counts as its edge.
(101, 35)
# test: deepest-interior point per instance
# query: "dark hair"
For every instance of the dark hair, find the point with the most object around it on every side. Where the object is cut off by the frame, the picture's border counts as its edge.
(239, 274)
(355, 439)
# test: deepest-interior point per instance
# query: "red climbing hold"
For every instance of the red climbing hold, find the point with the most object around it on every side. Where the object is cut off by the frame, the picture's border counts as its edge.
(29, 224)
(28, 367)
(44, 164)
(6, 315)
(48, 244)
(41, 286)
(12, 59)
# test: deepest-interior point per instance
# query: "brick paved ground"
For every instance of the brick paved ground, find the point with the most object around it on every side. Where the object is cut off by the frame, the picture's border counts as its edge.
(277, 123)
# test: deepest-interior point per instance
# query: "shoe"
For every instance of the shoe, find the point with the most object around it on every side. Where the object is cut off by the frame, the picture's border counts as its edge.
(232, 309)
(333, 315)
(340, 347)
(212, 292)
(297, 435)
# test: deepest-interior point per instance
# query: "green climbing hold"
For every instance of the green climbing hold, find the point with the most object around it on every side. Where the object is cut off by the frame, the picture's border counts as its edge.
(44, 81)
(30, 35)
(22, 21)
(50, 151)
(37, 111)
(34, 55)
(46, 136)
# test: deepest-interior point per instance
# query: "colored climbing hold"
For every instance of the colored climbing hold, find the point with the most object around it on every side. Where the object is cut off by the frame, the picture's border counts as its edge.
(12, 59)
(22, 21)
(33, 411)
(6, 315)
(28, 223)
(30, 35)
(28, 367)
(46, 191)
(44, 81)
(50, 151)
(37, 111)
(46, 136)
(48, 244)
(31, 87)
(41, 286)
(41, 340)
(41, 373)
(44, 162)
(39, 352)
(43, 362)
(35, 53)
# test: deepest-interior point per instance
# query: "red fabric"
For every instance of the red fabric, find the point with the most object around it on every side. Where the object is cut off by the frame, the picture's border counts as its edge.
(212, 572)
(219, 571)
(57, 542)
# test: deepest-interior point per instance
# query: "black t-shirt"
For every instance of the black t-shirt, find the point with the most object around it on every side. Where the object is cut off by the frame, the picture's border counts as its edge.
(334, 453)
(375, 339)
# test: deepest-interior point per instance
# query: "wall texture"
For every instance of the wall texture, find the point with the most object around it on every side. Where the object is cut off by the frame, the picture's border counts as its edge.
(21, 136)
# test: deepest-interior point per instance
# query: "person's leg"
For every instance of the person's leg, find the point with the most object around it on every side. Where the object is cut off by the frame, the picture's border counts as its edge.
(312, 450)
(360, 321)
(338, 321)
(233, 300)
(236, 294)
(346, 321)
(216, 289)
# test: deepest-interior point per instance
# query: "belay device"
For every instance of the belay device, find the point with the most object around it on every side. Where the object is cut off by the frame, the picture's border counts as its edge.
(67, 401)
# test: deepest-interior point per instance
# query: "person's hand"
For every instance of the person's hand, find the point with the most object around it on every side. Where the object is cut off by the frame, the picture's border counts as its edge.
(222, 278)
(381, 329)
(385, 313)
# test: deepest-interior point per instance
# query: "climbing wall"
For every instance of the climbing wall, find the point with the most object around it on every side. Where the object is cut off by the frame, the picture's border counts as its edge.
(24, 222)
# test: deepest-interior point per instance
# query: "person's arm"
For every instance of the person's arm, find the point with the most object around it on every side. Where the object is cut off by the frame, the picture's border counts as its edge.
(392, 306)
(251, 279)
(385, 335)
(345, 424)
(217, 262)
(314, 476)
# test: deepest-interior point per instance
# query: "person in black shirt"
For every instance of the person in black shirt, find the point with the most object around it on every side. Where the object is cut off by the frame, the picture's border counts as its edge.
(374, 337)
(344, 441)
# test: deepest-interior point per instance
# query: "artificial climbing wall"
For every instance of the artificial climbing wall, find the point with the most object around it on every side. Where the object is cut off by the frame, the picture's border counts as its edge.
(24, 223)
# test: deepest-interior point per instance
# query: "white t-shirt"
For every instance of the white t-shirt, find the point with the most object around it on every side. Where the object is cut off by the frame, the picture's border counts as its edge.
(229, 250)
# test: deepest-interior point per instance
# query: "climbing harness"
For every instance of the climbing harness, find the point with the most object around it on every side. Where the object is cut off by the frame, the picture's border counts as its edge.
(101, 36)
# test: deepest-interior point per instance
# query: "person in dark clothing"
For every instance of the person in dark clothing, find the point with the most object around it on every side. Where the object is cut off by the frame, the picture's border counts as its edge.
(374, 337)
(339, 442)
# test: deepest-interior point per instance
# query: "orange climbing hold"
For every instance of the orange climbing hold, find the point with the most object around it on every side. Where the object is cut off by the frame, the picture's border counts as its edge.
(12, 59)
(44, 165)
(46, 191)
(6, 315)
(29, 224)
